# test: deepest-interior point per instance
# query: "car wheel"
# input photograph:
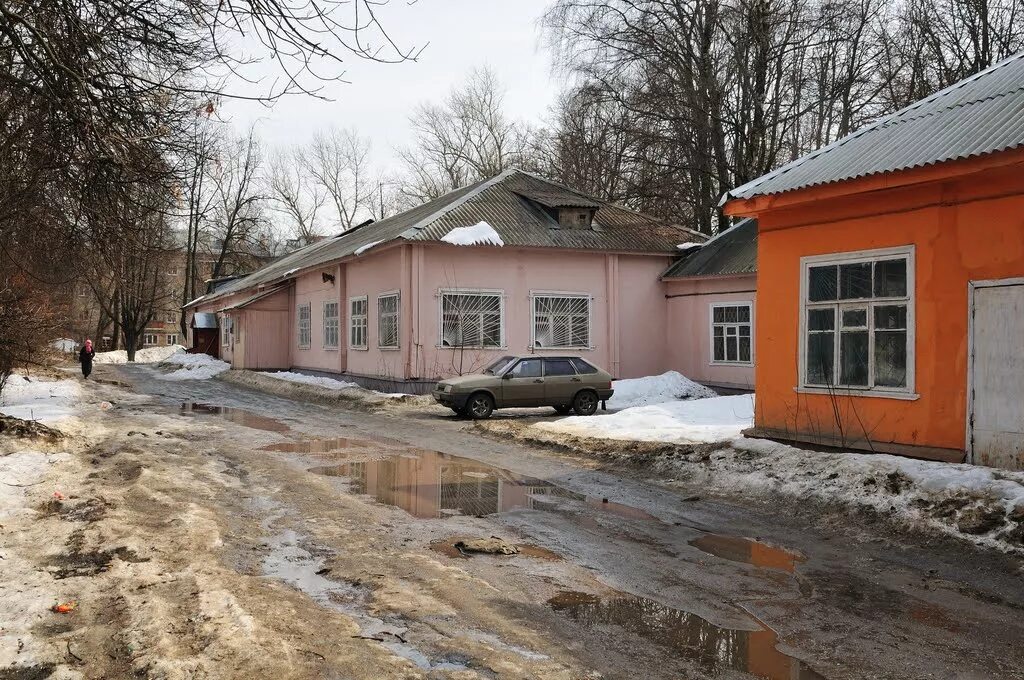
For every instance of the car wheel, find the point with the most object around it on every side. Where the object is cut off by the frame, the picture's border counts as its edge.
(585, 403)
(563, 410)
(480, 406)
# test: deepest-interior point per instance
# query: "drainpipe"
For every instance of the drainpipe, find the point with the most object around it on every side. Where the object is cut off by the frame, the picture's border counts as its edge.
(343, 312)
(612, 296)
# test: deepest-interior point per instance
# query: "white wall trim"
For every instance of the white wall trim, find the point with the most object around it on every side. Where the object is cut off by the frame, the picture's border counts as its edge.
(711, 333)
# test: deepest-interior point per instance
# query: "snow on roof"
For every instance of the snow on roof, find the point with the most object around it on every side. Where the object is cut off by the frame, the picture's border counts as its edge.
(362, 249)
(689, 245)
(480, 234)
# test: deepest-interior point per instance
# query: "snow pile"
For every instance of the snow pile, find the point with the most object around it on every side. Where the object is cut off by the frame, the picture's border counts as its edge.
(319, 381)
(689, 245)
(64, 345)
(480, 234)
(194, 367)
(983, 505)
(44, 401)
(20, 471)
(362, 249)
(656, 389)
(149, 355)
(696, 421)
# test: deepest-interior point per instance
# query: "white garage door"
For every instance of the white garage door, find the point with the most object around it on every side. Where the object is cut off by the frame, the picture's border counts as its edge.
(996, 420)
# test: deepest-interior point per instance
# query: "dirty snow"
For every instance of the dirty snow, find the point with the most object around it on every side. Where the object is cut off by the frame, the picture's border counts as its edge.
(362, 249)
(694, 421)
(656, 389)
(689, 245)
(44, 401)
(319, 381)
(194, 367)
(64, 345)
(944, 496)
(480, 234)
(21, 471)
(149, 355)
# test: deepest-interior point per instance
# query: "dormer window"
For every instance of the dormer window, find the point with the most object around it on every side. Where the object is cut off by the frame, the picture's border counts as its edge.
(575, 218)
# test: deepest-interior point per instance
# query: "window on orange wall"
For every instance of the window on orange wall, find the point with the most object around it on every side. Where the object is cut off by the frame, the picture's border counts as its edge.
(857, 313)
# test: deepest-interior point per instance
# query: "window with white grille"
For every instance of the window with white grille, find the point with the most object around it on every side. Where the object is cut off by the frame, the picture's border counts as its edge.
(561, 321)
(387, 321)
(472, 319)
(172, 339)
(225, 330)
(305, 326)
(731, 334)
(331, 325)
(357, 322)
(149, 339)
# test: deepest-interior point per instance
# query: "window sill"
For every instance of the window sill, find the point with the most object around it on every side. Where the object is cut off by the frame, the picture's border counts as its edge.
(561, 349)
(847, 392)
(388, 349)
(359, 349)
(303, 348)
(500, 348)
(330, 349)
(741, 364)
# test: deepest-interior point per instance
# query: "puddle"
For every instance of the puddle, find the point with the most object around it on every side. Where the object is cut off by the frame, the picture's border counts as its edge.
(685, 634)
(448, 548)
(319, 446)
(235, 415)
(748, 551)
(428, 484)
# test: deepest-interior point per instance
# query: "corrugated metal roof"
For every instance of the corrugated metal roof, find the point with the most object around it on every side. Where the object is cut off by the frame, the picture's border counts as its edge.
(251, 299)
(555, 198)
(500, 202)
(979, 115)
(732, 252)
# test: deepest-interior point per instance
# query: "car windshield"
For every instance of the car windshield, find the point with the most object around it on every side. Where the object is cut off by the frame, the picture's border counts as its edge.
(495, 367)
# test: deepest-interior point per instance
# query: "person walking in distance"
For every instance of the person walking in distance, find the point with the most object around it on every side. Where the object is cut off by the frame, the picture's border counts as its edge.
(85, 357)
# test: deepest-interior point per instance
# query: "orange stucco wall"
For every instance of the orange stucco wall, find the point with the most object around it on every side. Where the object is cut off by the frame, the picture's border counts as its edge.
(964, 227)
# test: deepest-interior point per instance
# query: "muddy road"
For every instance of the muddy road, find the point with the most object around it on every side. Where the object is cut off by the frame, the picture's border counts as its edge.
(211, 531)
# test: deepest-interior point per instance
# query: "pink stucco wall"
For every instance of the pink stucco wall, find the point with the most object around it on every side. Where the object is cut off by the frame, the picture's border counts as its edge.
(370, 275)
(315, 288)
(688, 322)
(261, 334)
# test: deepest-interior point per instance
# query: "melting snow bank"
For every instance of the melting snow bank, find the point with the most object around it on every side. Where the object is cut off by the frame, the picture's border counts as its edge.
(44, 401)
(982, 505)
(20, 471)
(194, 367)
(150, 355)
(480, 234)
(326, 383)
(695, 421)
(656, 389)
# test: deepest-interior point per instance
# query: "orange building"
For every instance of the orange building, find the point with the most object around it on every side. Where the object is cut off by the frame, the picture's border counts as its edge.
(891, 281)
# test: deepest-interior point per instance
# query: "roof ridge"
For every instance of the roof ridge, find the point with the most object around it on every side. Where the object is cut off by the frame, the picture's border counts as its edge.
(871, 127)
(958, 105)
(444, 210)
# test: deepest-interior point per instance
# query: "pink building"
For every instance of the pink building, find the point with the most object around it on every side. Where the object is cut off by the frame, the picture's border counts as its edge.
(511, 264)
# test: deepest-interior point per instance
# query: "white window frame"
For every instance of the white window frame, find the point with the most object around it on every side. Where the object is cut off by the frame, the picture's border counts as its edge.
(150, 339)
(537, 294)
(906, 392)
(398, 319)
(749, 304)
(483, 292)
(172, 338)
(362, 319)
(226, 329)
(309, 325)
(331, 322)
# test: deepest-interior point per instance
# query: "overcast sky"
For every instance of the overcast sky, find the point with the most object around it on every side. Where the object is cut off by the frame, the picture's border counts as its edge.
(462, 34)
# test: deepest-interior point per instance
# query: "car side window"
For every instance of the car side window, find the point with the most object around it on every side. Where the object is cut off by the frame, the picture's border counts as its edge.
(527, 368)
(557, 367)
(582, 367)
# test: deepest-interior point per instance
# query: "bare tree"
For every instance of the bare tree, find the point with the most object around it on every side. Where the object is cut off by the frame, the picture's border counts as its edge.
(237, 214)
(197, 197)
(295, 196)
(338, 163)
(465, 138)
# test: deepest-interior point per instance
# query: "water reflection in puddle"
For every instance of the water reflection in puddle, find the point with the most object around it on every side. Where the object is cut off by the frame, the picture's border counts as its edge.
(428, 484)
(686, 634)
(748, 551)
(234, 415)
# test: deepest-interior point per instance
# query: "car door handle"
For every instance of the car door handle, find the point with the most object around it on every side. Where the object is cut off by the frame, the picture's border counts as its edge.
(538, 380)
(575, 380)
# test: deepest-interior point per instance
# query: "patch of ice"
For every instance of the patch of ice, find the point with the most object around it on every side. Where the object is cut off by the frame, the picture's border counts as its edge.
(689, 245)
(194, 367)
(480, 234)
(45, 401)
(362, 249)
(149, 355)
(64, 345)
(697, 420)
(656, 389)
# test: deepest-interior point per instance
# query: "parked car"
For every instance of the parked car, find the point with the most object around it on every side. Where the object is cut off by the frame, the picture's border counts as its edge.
(564, 382)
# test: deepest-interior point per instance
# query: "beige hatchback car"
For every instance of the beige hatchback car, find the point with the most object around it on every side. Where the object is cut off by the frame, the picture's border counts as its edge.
(564, 382)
